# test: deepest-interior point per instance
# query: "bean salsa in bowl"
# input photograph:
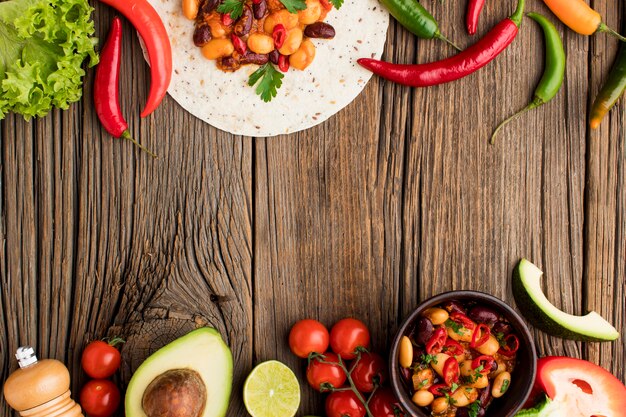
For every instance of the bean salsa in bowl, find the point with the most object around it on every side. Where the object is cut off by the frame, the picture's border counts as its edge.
(463, 354)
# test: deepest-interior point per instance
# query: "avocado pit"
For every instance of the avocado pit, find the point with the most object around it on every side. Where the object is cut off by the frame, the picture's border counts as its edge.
(175, 393)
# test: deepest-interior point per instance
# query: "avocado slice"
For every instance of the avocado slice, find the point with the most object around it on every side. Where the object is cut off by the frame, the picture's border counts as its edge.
(191, 376)
(544, 315)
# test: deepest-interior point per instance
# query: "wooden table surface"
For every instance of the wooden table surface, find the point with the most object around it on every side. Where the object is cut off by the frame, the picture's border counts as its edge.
(395, 199)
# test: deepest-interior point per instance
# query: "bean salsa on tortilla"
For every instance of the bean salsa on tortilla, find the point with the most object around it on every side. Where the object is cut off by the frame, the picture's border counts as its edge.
(275, 34)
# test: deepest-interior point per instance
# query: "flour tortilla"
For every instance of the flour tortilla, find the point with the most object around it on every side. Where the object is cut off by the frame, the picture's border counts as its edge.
(306, 98)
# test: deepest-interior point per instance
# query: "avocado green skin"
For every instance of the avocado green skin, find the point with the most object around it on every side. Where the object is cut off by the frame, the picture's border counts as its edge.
(538, 318)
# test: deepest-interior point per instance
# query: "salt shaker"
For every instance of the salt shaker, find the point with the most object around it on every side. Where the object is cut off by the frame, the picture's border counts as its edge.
(40, 388)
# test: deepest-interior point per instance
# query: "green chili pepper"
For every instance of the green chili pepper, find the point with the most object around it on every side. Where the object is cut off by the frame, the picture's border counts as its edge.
(553, 74)
(416, 19)
(611, 91)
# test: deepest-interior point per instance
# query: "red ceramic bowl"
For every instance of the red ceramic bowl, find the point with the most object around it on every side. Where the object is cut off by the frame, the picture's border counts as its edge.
(522, 378)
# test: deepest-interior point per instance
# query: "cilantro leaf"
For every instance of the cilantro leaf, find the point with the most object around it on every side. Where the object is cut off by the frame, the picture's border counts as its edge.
(293, 6)
(232, 7)
(456, 327)
(505, 385)
(426, 359)
(473, 409)
(271, 81)
(337, 3)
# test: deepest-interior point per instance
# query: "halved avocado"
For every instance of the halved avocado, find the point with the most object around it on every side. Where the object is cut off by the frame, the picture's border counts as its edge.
(190, 377)
(542, 314)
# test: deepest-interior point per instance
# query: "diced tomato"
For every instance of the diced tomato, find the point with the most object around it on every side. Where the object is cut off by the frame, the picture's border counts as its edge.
(485, 361)
(510, 346)
(451, 371)
(452, 347)
(436, 342)
(463, 320)
(480, 335)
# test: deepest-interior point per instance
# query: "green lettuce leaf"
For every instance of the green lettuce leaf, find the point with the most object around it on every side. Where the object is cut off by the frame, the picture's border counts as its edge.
(43, 44)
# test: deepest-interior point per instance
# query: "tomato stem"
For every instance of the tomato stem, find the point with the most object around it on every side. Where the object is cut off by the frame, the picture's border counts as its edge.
(114, 341)
(352, 386)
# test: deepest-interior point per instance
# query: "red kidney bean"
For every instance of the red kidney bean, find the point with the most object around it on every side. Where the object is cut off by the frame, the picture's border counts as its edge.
(454, 307)
(260, 9)
(202, 35)
(501, 327)
(229, 63)
(244, 23)
(274, 56)
(484, 397)
(208, 7)
(424, 331)
(484, 315)
(252, 58)
(320, 30)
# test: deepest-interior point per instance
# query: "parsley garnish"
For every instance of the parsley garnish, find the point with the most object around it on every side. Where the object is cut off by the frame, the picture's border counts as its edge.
(271, 81)
(337, 3)
(473, 409)
(426, 359)
(421, 385)
(232, 7)
(293, 6)
(505, 386)
(456, 327)
(454, 387)
(500, 338)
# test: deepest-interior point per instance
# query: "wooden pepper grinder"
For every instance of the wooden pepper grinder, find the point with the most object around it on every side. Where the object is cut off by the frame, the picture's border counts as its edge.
(40, 388)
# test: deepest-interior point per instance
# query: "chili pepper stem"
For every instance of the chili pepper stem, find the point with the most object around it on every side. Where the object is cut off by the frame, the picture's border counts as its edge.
(519, 13)
(533, 105)
(126, 135)
(604, 28)
(448, 41)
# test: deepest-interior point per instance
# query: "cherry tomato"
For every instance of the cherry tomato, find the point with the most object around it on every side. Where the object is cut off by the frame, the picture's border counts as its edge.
(344, 404)
(100, 359)
(318, 372)
(385, 404)
(308, 336)
(451, 371)
(369, 372)
(347, 335)
(100, 398)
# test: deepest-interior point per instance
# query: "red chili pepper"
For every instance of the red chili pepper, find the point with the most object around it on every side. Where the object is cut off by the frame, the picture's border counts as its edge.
(239, 44)
(462, 319)
(279, 34)
(451, 371)
(486, 367)
(436, 341)
(452, 347)
(326, 4)
(480, 336)
(474, 7)
(106, 92)
(507, 349)
(439, 390)
(151, 29)
(256, 1)
(457, 66)
(227, 20)
(283, 63)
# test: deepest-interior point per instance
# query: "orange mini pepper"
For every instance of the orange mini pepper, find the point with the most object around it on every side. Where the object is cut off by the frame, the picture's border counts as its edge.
(579, 17)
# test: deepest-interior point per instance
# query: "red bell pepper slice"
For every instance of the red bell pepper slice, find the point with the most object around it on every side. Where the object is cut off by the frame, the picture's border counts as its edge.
(510, 346)
(463, 320)
(436, 342)
(279, 35)
(580, 388)
(452, 347)
(451, 371)
(480, 335)
(486, 366)
(439, 390)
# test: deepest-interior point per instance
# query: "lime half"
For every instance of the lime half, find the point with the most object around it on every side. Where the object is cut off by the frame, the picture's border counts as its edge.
(271, 390)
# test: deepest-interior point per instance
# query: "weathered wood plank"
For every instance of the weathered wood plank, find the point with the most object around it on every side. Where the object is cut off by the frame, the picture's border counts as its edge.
(327, 230)
(102, 239)
(479, 208)
(605, 203)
